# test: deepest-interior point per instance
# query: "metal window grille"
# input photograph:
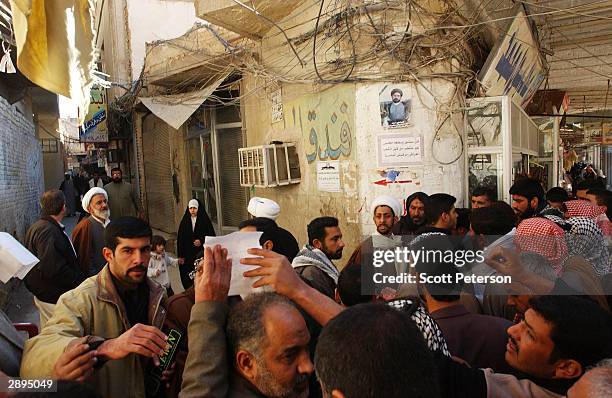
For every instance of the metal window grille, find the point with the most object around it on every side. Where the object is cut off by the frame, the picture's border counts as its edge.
(269, 165)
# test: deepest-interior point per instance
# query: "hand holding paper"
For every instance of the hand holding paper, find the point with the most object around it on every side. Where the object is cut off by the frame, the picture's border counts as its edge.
(237, 244)
(15, 260)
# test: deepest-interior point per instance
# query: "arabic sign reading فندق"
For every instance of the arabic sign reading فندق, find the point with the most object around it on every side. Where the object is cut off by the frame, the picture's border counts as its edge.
(399, 149)
(327, 122)
(94, 129)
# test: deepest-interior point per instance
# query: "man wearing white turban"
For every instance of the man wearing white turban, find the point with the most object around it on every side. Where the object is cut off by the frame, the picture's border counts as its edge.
(386, 212)
(88, 235)
(267, 208)
(263, 207)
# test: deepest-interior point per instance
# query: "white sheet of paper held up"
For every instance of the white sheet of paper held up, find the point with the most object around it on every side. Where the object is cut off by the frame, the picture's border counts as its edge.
(15, 260)
(237, 244)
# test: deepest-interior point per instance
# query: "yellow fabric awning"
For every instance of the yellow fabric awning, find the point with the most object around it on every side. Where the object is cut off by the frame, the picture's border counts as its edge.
(55, 45)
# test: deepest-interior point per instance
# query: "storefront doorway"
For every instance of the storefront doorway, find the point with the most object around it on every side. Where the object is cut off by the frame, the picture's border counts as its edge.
(213, 138)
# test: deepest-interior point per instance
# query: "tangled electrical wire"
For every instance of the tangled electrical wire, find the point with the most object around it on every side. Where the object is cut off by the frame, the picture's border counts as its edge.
(350, 41)
(340, 41)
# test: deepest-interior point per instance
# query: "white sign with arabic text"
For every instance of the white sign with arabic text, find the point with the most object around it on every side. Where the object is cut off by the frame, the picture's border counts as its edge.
(328, 176)
(396, 150)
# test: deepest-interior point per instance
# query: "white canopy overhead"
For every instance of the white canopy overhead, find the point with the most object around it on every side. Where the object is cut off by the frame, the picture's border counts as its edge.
(175, 109)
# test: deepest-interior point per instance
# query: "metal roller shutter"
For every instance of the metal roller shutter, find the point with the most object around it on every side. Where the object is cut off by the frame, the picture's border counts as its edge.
(233, 196)
(158, 173)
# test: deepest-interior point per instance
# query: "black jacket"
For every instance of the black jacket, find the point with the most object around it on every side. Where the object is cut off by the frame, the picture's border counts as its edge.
(58, 270)
(405, 226)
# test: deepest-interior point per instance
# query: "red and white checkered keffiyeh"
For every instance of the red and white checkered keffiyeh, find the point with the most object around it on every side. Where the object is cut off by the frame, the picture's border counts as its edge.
(544, 237)
(604, 224)
(582, 208)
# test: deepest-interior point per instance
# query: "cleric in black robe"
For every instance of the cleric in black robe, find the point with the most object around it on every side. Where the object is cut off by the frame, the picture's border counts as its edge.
(415, 215)
(194, 227)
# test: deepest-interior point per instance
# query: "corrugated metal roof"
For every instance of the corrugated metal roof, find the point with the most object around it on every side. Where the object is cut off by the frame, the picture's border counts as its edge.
(579, 35)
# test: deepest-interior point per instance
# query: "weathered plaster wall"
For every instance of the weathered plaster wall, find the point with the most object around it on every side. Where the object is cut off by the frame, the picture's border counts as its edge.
(123, 27)
(435, 115)
(324, 108)
(112, 42)
(430, 176)
(306, 111)
(300, 203)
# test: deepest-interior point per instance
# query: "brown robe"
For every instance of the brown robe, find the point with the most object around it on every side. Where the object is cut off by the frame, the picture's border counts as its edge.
(82, 239)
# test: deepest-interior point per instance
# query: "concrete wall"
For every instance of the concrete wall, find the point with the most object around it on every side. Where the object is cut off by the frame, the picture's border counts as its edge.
(439, 146)
(324, 110)
(300, 203)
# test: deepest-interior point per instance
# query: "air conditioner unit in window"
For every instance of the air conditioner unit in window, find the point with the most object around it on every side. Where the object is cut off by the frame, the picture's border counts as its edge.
(267, 166)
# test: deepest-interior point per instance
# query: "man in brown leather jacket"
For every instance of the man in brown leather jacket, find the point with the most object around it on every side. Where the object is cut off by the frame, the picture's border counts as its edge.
(117, 313)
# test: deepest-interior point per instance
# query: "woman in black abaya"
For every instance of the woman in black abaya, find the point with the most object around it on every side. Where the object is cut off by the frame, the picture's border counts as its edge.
(194, 227)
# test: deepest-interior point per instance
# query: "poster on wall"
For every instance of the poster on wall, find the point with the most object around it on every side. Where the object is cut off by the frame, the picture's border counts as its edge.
(397, 150)
(94, 129)
(328, 176)
(395, 106)
(515, 66)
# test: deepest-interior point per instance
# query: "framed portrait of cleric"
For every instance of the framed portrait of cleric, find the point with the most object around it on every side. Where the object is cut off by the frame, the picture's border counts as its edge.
(395, 106)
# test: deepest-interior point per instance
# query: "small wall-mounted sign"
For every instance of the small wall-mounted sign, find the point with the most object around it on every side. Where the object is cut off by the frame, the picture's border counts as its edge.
(397, 150)
(328, 176)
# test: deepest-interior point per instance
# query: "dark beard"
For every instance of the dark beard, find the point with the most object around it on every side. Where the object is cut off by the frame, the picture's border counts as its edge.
(332, 255)
(420, 224)
(117, 181)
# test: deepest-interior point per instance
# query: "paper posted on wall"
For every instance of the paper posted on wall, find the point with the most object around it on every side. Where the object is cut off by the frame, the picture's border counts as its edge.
(15, 260)
(237, 244)
(328, 176)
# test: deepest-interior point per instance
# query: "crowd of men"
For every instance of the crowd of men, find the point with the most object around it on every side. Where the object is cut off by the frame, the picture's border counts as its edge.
(316, 331)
